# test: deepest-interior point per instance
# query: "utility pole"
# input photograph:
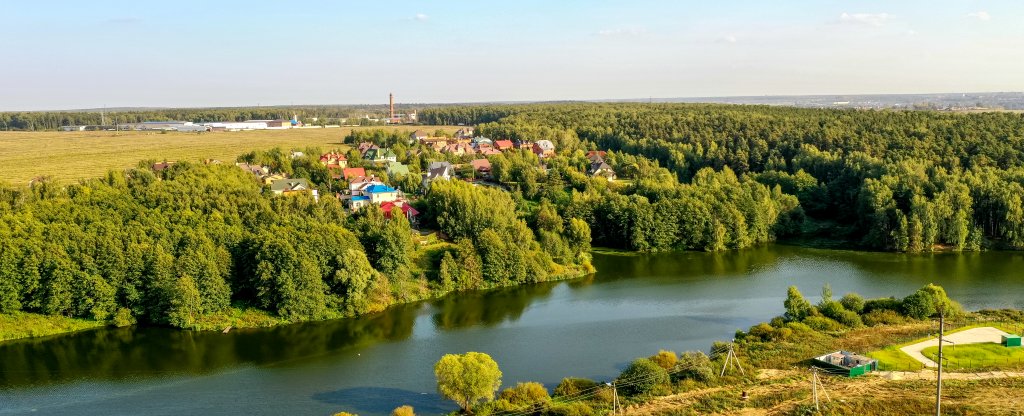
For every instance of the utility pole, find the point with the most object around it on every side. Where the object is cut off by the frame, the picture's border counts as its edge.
(815, 382)
(615, 398)
(938, 381)
(731, 359)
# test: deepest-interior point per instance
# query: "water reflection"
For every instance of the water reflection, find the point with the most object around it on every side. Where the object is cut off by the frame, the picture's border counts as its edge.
(145, 352)
(489, 308)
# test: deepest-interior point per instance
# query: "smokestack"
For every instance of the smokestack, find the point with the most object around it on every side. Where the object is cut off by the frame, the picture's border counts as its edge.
(391, 105)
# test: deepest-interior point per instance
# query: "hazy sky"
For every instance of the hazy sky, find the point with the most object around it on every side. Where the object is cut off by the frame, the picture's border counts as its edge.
(87, 54)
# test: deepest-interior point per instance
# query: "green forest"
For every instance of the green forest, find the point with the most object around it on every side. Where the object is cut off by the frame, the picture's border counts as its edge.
(885, 180)
(193, 243)
(189, 244)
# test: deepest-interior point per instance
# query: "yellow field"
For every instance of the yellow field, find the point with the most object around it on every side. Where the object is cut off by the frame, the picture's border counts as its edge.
(70, 156)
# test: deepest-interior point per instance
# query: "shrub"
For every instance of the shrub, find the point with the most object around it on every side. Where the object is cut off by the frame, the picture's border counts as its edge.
(823, 324)
(849, 318)
(403, 411)
(665, 359)
(571, 409)
(853, 302)
(762, 331)
(123, 318)
(831, 309)
(891, 304)
(694, 365)
(883, 317)
(918, 305)
(571, 386)
(524, 394)
(799, 328)
(641, 377)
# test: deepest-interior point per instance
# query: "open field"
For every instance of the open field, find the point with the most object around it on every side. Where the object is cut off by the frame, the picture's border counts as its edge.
(70, 156)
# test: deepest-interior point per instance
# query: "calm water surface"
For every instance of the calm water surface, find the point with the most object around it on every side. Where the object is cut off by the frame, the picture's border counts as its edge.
(634, 306)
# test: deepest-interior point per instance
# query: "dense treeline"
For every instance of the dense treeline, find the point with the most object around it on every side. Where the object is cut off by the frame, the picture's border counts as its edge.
(188, 243)
(53, 120)
(896, 180)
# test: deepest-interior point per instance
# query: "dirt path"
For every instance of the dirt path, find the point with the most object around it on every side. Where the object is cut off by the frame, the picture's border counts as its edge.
(969, 336)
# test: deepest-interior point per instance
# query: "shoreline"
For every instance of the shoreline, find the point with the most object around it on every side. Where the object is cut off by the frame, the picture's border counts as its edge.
(28, 325)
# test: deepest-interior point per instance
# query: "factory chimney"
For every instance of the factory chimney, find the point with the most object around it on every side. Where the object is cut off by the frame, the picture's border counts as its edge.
(391, 106)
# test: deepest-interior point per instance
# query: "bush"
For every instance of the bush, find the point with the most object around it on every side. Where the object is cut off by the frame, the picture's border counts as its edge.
(762, 331)
(883, 317)
(831, 309)
(853, 302)
(889, 304)
(123, 318)
(849, 318)
(571, 409)
(694, 365)
(403, 411)
(823, 324)
(665, 359)
(571, 386)
(918, 305)
(524, 394)
(641, 377)
(799, 329)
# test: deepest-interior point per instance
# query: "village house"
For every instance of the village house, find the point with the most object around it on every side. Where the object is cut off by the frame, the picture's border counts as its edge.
(161, 166)
(418, 135)
(380, 155)
(259, 171)
(481, 166)
(334, 160)
(350, 173)
(544, 148)
(458, 149)
(489, 151)
(405, 207)
(464, 133)
(396, 169)
(357, 186)
(291, 187)
(523, 145)
(381, 193)
(437, 170)
(482, 141)
(366, 146)
(357, 202)
(596, 155)
(600, 169)
(504, 145)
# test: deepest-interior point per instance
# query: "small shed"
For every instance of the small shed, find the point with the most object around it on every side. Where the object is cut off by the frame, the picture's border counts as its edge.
(1011, 340)
(847, 363)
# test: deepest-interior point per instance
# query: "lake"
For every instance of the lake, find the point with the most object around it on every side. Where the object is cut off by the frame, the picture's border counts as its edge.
(590, 327)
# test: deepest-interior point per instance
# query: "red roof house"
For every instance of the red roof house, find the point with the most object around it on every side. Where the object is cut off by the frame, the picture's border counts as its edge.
(354, 173)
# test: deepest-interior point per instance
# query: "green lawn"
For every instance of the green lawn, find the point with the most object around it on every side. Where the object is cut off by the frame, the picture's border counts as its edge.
(987, 356)
(892, 359)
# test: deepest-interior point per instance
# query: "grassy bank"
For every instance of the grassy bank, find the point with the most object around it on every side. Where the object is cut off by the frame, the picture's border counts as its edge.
(31, 325)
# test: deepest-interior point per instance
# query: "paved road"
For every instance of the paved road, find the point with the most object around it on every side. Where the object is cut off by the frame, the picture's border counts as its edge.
(969, 336)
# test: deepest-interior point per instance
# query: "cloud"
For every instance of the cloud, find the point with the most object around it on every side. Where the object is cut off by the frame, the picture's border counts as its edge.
(980, 15)
(622, 32)
(421, 17)
(870, 19)
(728, 39)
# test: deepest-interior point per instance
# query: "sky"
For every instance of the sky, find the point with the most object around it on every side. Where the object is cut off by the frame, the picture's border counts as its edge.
(182, 53)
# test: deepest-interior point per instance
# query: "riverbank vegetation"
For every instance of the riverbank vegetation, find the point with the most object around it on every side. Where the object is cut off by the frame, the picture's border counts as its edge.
(761, 372)
(887, 180)
(206, 245)
(30, 325)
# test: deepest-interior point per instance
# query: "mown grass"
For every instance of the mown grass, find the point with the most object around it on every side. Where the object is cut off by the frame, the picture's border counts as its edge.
(987, 356)
(30, 325)
(70, 156)
(890, 358)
